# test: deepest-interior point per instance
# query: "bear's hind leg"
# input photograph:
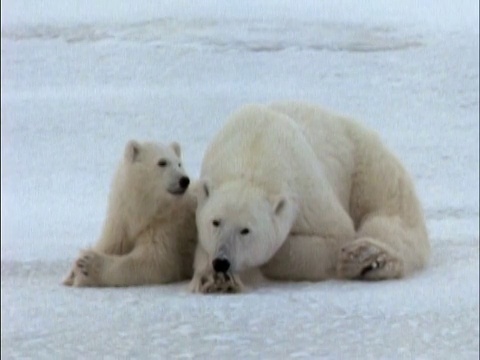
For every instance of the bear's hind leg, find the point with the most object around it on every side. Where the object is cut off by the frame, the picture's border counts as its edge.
(385, 248)
(304, 258)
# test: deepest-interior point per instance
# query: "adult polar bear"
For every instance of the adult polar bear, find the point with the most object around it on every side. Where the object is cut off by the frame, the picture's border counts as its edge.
(303, 194)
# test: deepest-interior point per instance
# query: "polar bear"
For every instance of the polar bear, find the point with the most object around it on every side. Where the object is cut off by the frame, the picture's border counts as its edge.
(295, 192)
(149, 234)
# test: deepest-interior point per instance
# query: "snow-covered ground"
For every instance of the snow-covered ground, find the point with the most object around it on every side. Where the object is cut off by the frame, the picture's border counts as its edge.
(80, 78)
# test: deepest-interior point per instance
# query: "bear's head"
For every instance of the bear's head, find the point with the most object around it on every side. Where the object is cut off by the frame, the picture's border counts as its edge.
(153, 174)
(239, 225)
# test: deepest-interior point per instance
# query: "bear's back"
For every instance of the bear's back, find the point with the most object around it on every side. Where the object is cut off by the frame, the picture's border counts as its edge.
(263, 146)
(332, 138)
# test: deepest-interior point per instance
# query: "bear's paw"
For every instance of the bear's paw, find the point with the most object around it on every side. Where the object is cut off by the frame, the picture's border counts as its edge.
(217, 283)
(86, 270)
(365, 259)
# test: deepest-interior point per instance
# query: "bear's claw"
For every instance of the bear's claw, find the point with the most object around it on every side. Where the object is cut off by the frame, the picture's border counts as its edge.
(220, 283)
(365, 260)
(85, 270)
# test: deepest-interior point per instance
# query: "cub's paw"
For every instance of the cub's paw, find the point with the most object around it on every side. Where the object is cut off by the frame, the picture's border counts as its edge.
(218, 283)
(365, 259)
(69, 279)
(86, 270)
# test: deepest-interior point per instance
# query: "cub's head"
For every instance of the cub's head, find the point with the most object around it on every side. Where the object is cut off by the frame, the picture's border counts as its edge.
(240, 226)
(154, 170)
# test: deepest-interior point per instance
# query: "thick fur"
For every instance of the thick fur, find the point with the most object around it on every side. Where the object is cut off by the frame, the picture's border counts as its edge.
(320, 195)
(149, 234)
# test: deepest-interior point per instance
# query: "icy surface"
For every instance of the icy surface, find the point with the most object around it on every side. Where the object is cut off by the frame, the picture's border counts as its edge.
(80, 78)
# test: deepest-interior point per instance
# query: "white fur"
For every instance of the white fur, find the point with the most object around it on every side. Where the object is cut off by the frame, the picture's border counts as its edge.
(149, 234)
(320, 194)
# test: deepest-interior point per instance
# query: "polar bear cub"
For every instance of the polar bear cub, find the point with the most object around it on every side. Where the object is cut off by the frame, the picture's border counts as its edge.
(298, 193)
(149, 234)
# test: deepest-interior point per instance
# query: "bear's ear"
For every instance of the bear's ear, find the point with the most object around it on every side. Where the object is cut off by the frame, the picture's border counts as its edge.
(202, 190)
(283, 204)
(285, 208)
(176, 148)
(279, 202)
(132, 150)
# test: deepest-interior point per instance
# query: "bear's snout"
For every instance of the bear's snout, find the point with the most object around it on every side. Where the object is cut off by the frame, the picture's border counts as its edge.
(220, 265)
(184, 182)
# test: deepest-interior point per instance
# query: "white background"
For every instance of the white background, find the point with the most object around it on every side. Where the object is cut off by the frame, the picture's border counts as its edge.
(81, 78)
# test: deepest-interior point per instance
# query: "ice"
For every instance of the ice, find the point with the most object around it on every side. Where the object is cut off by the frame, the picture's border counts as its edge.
(81, 78)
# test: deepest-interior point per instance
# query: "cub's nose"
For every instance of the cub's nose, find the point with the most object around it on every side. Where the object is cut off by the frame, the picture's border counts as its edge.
(220, 265)
(184, 182)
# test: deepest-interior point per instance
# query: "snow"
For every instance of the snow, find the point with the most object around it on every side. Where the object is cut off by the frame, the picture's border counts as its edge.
(80, 78)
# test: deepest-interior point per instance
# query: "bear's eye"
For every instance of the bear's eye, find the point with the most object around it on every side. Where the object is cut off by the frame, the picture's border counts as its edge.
(180, 165)
(216, 223)
(162, 163)
(245, 231)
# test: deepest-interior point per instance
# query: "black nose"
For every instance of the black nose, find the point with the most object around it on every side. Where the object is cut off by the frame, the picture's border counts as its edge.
(184, 182)
(220, 265)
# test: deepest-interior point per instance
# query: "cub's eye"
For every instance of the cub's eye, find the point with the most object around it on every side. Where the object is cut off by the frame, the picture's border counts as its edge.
(245, 231)
(216, 223)
(162, 163)
(179, 164)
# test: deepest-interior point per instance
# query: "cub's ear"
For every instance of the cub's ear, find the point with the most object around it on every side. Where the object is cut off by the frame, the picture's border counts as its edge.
(202, 191)
(176, 148)
(132, 149)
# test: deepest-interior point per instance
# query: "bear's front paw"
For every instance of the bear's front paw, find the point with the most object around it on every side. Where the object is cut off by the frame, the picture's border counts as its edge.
(86, 270)
(365, 259)
(217, 283)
